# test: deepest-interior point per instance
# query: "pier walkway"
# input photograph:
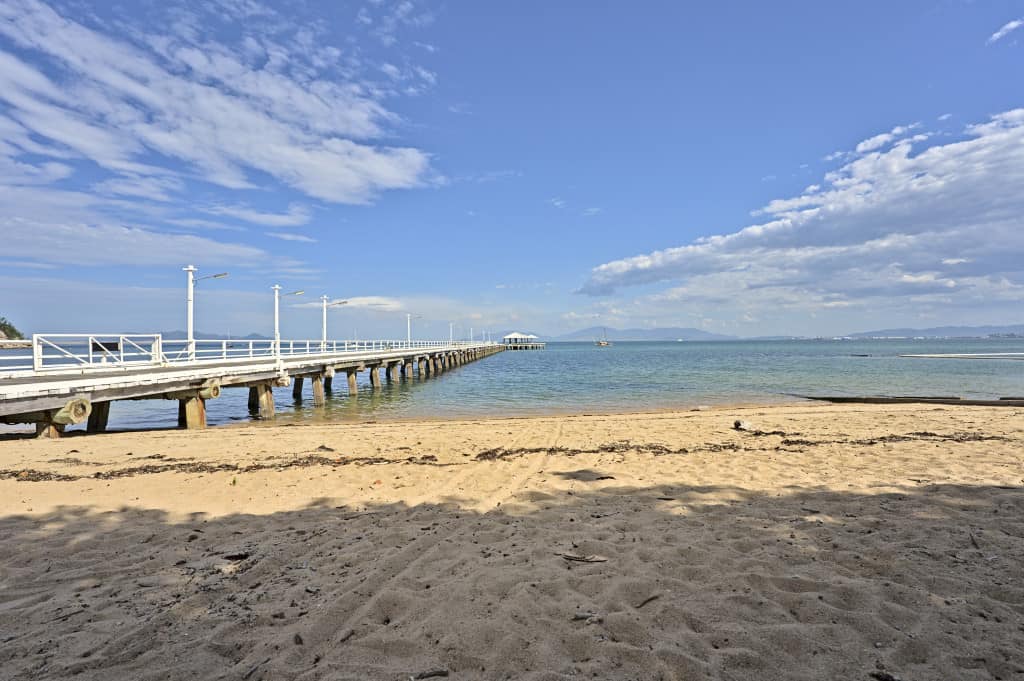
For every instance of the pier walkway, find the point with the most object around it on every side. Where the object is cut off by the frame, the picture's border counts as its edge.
(58, 380)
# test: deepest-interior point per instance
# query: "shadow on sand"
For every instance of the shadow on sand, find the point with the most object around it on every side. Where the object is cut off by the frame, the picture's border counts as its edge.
(622, 583)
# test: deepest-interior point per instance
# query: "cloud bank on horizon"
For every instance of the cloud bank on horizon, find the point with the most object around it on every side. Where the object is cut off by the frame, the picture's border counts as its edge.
(904, 222)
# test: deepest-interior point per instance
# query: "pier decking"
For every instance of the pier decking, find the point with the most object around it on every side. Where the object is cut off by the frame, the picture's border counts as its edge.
(68, 379)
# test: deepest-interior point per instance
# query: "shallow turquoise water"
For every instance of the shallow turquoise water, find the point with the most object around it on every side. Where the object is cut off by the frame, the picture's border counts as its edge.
(582, 378)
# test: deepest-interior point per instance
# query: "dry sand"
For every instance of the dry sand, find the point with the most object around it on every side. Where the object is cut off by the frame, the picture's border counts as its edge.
(832, 542)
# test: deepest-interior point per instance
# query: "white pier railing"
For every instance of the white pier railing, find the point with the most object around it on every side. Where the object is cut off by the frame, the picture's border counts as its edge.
(78, 353)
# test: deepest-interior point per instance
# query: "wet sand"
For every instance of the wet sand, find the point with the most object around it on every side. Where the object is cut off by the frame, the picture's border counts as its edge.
(824, 541)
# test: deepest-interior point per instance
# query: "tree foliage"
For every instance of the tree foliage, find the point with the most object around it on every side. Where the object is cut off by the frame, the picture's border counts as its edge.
(9, 330)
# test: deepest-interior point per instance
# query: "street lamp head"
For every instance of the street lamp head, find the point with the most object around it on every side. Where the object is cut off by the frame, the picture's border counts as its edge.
(219, 275)
(295, 293)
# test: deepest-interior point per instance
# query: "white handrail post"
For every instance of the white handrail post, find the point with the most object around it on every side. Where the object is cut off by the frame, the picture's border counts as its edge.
(37, 353)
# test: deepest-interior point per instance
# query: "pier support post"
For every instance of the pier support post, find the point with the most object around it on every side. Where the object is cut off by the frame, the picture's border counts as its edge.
(422, 367)
(375, 376)
(254, 400)
(353, 387)
(393, 372)
(318, 391)
(192, 413)
(328, 384)
(407, 369)
(98, 417)
(297, 388)
(265, 397)
(49, 430)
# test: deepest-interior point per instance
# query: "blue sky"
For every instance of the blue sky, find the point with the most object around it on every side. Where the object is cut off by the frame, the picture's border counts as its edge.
(745, 168)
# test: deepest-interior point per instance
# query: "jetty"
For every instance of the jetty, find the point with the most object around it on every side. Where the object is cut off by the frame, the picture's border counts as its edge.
(522, 341)
(58, 380)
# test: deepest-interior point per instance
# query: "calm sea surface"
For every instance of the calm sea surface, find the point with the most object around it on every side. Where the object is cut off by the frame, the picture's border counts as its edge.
(580, 377)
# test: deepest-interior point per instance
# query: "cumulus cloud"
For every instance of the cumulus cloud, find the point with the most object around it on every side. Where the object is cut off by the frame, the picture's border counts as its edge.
(1005, 30)
(879, 141)
(889, 225)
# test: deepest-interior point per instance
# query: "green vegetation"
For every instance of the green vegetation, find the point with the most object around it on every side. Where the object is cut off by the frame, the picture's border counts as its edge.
(8, 330)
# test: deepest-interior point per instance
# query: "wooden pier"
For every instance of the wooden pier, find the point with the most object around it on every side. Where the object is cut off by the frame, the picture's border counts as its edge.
(70, 379)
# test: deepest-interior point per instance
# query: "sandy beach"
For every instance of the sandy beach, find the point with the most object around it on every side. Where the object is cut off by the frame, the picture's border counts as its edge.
(820, 542)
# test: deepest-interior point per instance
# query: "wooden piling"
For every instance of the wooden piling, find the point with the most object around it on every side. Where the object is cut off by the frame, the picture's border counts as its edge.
(254, 400)
(407, 369)
(329, 383)
(353, 386)
(393, 371)
(297, 388)
(49, 430)
(192, 413)
(422, 366)
(98, 418)
(265, 396)
(318, 391)
(375, 376)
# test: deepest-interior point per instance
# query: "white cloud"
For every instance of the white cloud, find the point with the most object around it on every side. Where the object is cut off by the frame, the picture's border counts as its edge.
(154, 188)
(180, 96)
(380, 303)
(557, 202)
(296, 215)
(588, 212)
(879, 141)
(873, 230)
(945, 117)
(1006, 29)
(288, 236)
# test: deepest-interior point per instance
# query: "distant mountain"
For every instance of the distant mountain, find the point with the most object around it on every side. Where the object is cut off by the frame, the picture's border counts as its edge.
(202, 335)
(944, 332)
(660, 334)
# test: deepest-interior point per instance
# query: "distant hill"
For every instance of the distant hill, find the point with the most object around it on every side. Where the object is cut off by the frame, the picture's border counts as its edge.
(659, 334)
(944, 332)
(201, 335)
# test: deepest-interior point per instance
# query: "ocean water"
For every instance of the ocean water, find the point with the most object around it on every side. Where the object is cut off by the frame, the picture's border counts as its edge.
(626, 377)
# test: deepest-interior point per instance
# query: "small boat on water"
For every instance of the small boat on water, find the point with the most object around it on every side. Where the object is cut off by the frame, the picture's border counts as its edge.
(603, 342)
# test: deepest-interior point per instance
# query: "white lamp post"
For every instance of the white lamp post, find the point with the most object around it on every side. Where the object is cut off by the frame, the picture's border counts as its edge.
(323, 332)
(190, 329)
(277, 315)
(408, 326)
(451, 333)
